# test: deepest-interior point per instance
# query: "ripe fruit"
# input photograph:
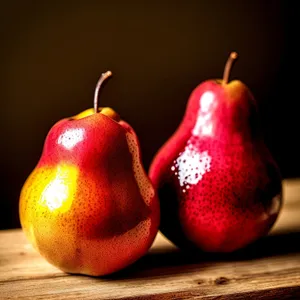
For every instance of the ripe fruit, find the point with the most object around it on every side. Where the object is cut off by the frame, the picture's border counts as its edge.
(218, 184)
(88, 206)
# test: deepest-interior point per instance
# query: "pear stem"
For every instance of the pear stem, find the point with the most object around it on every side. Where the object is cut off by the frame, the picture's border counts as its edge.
(97, 89)
(231, 59)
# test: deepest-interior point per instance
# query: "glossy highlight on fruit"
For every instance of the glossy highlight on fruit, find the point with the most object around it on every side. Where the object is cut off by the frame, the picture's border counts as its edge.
(218, 184)
(88, 206)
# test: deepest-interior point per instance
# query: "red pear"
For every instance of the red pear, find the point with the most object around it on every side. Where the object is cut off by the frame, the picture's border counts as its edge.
(88, 206)
(219, 187)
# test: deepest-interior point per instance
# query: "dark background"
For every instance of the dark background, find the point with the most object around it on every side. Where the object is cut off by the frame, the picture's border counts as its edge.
(52, 54)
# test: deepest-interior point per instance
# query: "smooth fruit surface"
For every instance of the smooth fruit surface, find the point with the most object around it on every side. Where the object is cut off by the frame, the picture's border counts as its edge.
(88, 206)
(218, 185)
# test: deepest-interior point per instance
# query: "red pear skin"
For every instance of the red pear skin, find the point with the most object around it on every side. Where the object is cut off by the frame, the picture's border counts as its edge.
(218, 185)
(89, 207)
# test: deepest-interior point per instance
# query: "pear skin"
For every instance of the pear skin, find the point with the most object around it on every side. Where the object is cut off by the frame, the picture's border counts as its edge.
(88, 206)
(219, 187)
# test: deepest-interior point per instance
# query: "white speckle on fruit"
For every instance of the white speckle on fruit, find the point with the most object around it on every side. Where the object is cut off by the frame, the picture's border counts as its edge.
(191, 166)
(70, 138)
(206, 101)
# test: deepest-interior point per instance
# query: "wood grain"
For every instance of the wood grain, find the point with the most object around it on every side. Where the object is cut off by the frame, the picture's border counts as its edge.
(268, 269)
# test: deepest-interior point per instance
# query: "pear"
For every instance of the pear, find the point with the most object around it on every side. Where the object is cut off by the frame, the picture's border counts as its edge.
(88, 207)
(219, 187)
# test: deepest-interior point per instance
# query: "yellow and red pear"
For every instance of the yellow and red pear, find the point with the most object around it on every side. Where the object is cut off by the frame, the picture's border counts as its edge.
(88, 206)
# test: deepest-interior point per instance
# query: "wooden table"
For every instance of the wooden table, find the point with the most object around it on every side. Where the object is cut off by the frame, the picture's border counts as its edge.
(269, 269)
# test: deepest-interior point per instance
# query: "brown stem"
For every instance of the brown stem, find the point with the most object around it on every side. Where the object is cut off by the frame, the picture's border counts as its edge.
(231, 59)
(97, 89)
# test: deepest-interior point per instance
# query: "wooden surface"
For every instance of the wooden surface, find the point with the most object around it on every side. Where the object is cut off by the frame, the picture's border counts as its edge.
(269, 269)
